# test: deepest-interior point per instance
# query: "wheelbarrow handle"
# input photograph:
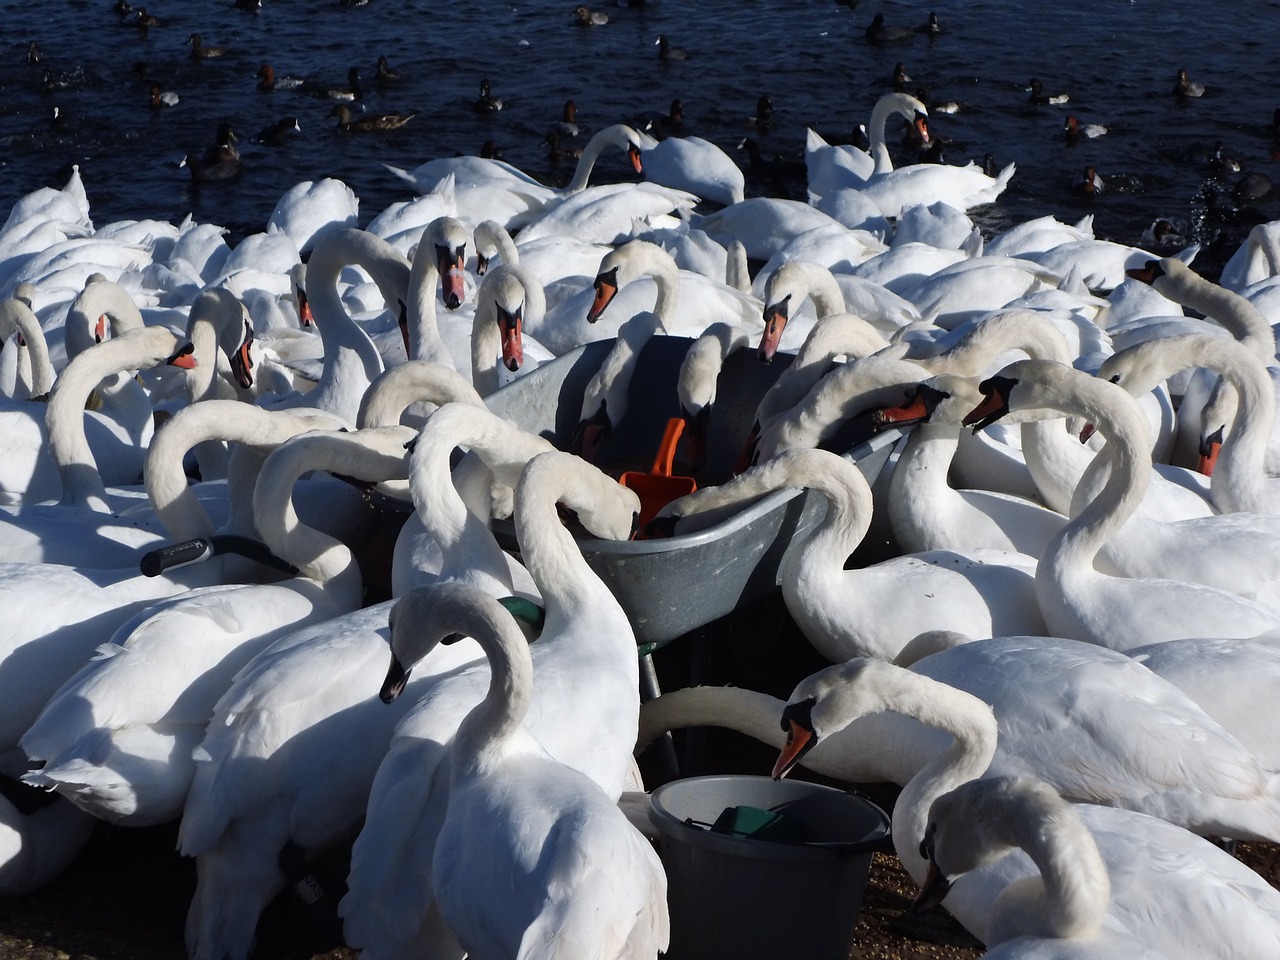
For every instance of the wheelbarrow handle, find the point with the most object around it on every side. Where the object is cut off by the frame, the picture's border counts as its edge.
(666, 456)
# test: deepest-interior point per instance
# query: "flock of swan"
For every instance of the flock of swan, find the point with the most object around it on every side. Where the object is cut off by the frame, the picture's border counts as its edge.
(1069, 664)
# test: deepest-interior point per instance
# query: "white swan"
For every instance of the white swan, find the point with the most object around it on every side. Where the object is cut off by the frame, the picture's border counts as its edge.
(117, 432)
(61, 613)
(848, 390)
(873, 610)
(508, 298)
(1232, 681)
(831, 168)
(696, 166)
(448, 531)
(493, 190)
(1092, 882)
(1241, 555)
(551, 259)
(1090, 721)
(585, 881)
(611, 213)
(37, 846)
(830, 699)
(697, 383)
(607, 395)
(351, 362)
(925, 511)
(1173, 279)
(764, 225)
(585, 633)
(299, 717)
(437, 264)
(117, 737)
(1078, 601)
(785, 292)
(961, 187)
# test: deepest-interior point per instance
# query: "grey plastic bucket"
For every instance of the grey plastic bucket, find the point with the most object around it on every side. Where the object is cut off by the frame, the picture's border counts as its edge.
(735, 897)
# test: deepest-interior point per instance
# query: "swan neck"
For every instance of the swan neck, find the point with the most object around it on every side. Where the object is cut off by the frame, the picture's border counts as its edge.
(1236, 313)
(972, 725)
(21, 318)
(550, 554)
(425, 342)
(351, 361)
(486, 730)
(1128, 459)
(885, 107)
(64, 419)
(746, 711)
(609, 136)
(372, 454)
(1070, 896)
(411, 382)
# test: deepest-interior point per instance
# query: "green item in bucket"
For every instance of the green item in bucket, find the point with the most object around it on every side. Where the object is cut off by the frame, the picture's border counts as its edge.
(755, 823)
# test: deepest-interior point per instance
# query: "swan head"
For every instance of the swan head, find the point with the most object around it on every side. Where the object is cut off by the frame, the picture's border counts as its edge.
(775, 321)
(828, 701)
(486, 241)
(415, 626)
(184, 357)
(980, 822)
(509, 310)
(449, 243)
(918, 407)
(606, 287)
(1149, 272)
(995, 403)
(635, 258)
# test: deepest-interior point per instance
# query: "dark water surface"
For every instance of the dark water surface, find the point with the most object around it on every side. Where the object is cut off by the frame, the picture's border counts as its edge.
(1117, 60)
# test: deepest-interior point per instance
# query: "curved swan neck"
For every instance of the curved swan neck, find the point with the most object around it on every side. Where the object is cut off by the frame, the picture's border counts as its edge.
(492, 239)
(64, 419)
(640, 258)
(408, 383)
(550, 554)
(351, 361)
(1055, 386)
(702, 363)
(100, 298)
(619, 135)
(483, 733)
(885, 107)
(1070, 896)
(373, 454)
(171, 496)
(799, 279)
(1024, 330)
(746, 711)
(433, 613)
(214, 323)
(1238, 315)
(862, 686)
(18, 315)
(1238, 482)
(503, 448)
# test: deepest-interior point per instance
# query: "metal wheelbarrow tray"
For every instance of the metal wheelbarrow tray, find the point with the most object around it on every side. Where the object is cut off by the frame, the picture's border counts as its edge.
(672, 586)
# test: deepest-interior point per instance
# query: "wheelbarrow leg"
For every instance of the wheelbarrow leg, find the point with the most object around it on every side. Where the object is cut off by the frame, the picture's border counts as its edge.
(664, 748)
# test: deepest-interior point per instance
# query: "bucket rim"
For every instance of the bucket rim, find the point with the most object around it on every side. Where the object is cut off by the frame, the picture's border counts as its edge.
(677, 829)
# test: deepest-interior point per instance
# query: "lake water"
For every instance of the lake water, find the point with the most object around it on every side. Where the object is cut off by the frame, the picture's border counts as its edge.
(1116, 60)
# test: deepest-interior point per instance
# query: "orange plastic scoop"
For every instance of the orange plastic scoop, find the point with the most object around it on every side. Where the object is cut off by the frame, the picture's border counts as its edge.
(658, 487)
